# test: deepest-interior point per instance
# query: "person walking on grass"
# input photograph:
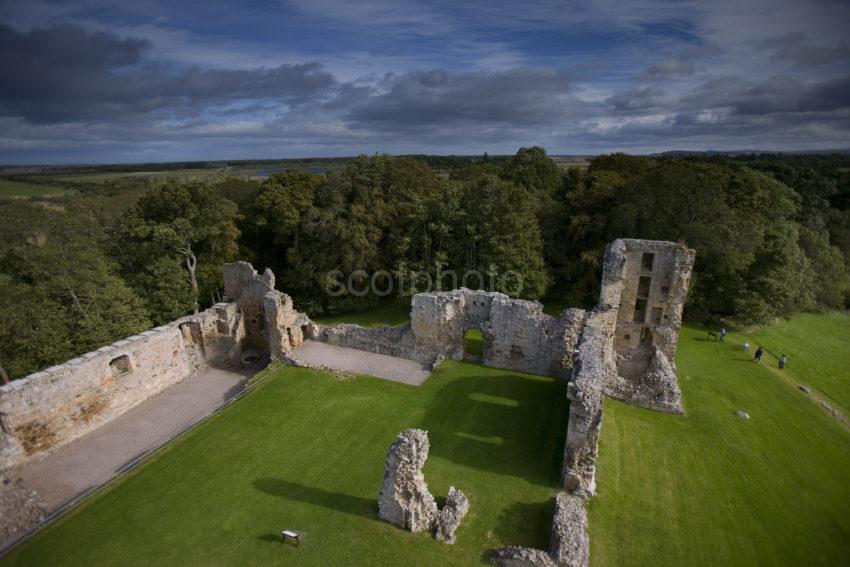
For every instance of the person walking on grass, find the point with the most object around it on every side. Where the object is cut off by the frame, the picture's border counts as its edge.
(722, 333)
(759, 352)
(782, 360)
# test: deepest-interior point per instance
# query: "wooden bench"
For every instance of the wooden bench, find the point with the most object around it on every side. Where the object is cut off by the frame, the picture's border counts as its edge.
(289, 534)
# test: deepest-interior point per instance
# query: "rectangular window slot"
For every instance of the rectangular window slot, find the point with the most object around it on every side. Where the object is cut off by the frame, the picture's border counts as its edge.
(657, 312)
(644, 283)
(645, 335)
(640, 311)
(647, 260)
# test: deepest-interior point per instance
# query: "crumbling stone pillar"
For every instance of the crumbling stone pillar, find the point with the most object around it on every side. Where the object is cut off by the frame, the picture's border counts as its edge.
(405, 500)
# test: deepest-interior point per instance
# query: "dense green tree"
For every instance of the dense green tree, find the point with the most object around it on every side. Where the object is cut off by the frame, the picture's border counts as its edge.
(61, 295)
(190, 223)
(500, 235)
(740, 222)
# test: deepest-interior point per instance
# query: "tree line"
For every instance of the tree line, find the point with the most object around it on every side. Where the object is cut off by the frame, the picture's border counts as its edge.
(772, 235)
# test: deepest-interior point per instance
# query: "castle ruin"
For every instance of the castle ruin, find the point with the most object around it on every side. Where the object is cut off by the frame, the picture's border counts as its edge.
(624, 348)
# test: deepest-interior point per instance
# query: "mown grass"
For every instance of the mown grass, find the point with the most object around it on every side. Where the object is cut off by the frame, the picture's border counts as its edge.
(10, 188)
(710, 488)
(473, 342)
(305, 451)
(390, 314)
(818, 349)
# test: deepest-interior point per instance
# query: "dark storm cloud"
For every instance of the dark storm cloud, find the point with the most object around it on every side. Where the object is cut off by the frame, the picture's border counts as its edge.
(798, 50)
(641, 99)
(516, 97)
(66, 73)
(775, 95)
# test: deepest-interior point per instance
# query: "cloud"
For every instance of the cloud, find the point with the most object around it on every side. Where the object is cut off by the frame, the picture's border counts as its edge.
(104, 80)
(780, 95)
(641, 99)
(671, 67)
(65, 73)
(795, 48)
(520, 97)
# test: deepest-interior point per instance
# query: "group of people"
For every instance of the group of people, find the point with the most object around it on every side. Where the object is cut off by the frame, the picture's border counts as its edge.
(759, 351)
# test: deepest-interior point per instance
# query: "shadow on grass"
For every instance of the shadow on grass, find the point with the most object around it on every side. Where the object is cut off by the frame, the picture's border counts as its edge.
(506, 423)
(345, 503)
(537, 514)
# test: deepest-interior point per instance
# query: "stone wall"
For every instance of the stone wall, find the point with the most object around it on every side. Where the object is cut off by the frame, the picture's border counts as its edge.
(272, 325)
(517, 334)
(391, 341)
(594, 364)
(54, 406)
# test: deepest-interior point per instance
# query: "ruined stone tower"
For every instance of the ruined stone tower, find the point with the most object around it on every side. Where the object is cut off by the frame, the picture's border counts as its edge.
(646, 283)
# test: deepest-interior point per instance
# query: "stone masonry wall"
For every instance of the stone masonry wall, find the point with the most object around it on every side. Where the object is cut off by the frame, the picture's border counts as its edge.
(54, 406)
(391, 341)
(517, 334)
(647, 281)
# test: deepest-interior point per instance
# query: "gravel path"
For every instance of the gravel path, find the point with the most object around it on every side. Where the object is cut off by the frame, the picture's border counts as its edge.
(96, 457)
(353, 360)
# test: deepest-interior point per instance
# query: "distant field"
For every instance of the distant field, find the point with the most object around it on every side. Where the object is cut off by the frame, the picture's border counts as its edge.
(565, 162)
(9, 188)
(153, 175)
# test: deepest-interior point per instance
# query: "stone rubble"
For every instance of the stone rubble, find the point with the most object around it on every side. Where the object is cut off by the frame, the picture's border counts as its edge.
(449, 518)
(570, 545)
(513, 556)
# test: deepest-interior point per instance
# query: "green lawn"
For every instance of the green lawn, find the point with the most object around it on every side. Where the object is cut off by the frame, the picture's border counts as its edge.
(10, 188)
(306, 451)
(391, 314)
(473, 342)
(712, 489)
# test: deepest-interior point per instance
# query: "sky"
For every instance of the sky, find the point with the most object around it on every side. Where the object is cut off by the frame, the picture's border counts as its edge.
(99, 81)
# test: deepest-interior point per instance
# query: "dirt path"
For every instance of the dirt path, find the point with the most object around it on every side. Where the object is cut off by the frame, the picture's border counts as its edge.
(314, 353)
(95, 458)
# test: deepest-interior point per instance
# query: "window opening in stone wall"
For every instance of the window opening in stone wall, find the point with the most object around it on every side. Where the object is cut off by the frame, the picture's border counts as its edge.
(645, 335)
(665, 291)
(640, 311)
(657, 312)
(647, 260)
(121, 365)
(644, 284)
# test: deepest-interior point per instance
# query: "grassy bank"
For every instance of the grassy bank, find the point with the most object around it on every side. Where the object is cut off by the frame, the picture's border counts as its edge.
(710, 488)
